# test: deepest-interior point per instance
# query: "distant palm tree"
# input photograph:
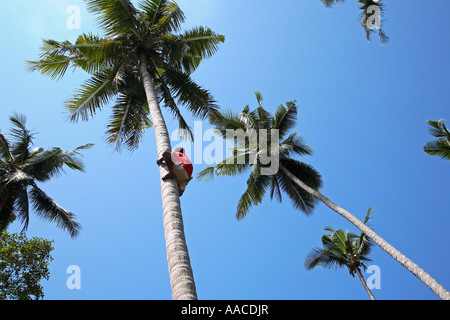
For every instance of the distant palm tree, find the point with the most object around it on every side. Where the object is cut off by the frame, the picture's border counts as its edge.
(371, 16)
(343, 249)
(20, 170)
(441, 146)
(142, 60)
(297, 179)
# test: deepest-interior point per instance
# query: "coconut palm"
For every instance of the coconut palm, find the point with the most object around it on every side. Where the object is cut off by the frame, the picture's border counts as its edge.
(21, 168)
(343, 249)
(370, 10)
(441, 146)
(143, 60)
(246, 155)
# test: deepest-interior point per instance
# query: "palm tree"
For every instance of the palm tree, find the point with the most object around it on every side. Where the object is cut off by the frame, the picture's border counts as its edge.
(441, 146)
(343, 249)
(20, 170)
(245, 156)
(142, 60)
(371, 15)
(241, 159)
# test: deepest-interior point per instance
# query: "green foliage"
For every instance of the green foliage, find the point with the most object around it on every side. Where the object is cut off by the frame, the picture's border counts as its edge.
(23, 265)
(341, 249)
(246, 156)
(366, 16)
(22, 167)
(151, 29)
(441, 146)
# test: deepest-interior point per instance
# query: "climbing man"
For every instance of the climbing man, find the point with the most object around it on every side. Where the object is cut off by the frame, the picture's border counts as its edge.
(180, 168)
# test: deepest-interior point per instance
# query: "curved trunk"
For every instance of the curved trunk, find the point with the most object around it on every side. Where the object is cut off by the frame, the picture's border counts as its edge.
(358, 272)
(180, 271)
(397, 255)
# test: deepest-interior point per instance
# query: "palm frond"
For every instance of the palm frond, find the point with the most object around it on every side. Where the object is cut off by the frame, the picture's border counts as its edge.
(197, 100)
(202, 43)
(301, 199)
(49, 210)
(5, 152)
(438, 129)
(128, 122)
(253, 195)
(114, 16)
(439, 148)
(285, 118)
(22, 137)
(330, 3)
(169, 18)
(21, 206)
(93, 95)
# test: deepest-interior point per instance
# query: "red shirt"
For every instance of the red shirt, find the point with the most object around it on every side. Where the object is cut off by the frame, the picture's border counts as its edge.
(184, 162)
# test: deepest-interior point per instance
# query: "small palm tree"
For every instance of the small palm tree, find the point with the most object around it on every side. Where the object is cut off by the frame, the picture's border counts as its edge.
(258, 184)
(21, 168)
(343, 249)
(143, 61)
(299, 180)
(441, 146)
(368, 14)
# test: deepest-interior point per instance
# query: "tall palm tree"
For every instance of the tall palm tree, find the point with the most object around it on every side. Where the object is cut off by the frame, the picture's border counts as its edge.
(142, 60)
(371, 16)
(441, 146)
(21, 168)
(246, 156)
(343, 249)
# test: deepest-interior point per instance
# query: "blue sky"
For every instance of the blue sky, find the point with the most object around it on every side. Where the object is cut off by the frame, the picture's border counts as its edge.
(363, 109)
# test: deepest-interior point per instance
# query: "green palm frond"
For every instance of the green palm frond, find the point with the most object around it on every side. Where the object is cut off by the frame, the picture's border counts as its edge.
(341, 249)
(128, 122)
(256, 190)
(49, 210)
(20, 168)
(330, 3)
(202, 43)
(5, 152)
(441, 146)
(195, 99)
(22, 137)
(114, 16)
(366, 16)
(167, 15)
(152, 28)
(252, 139)
(285, 118)
(92, 96)
(301, 199)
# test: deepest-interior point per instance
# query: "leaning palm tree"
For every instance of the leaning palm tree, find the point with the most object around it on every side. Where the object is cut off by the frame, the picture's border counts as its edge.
(143, 60)
(21, 168)
(247, 155)
(441, 146)
(371, 16)
(343, 249)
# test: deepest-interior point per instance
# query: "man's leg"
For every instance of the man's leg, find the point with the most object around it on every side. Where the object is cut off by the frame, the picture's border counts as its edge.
(167, 159)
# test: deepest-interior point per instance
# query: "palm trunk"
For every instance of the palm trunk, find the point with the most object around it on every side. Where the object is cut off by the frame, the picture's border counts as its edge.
(180, 271)
(364, 284)
(397, 255)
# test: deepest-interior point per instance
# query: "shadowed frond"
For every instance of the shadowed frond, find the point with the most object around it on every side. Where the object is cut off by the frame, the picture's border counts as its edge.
(114, 16)
(441, 146)
(49, 210)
